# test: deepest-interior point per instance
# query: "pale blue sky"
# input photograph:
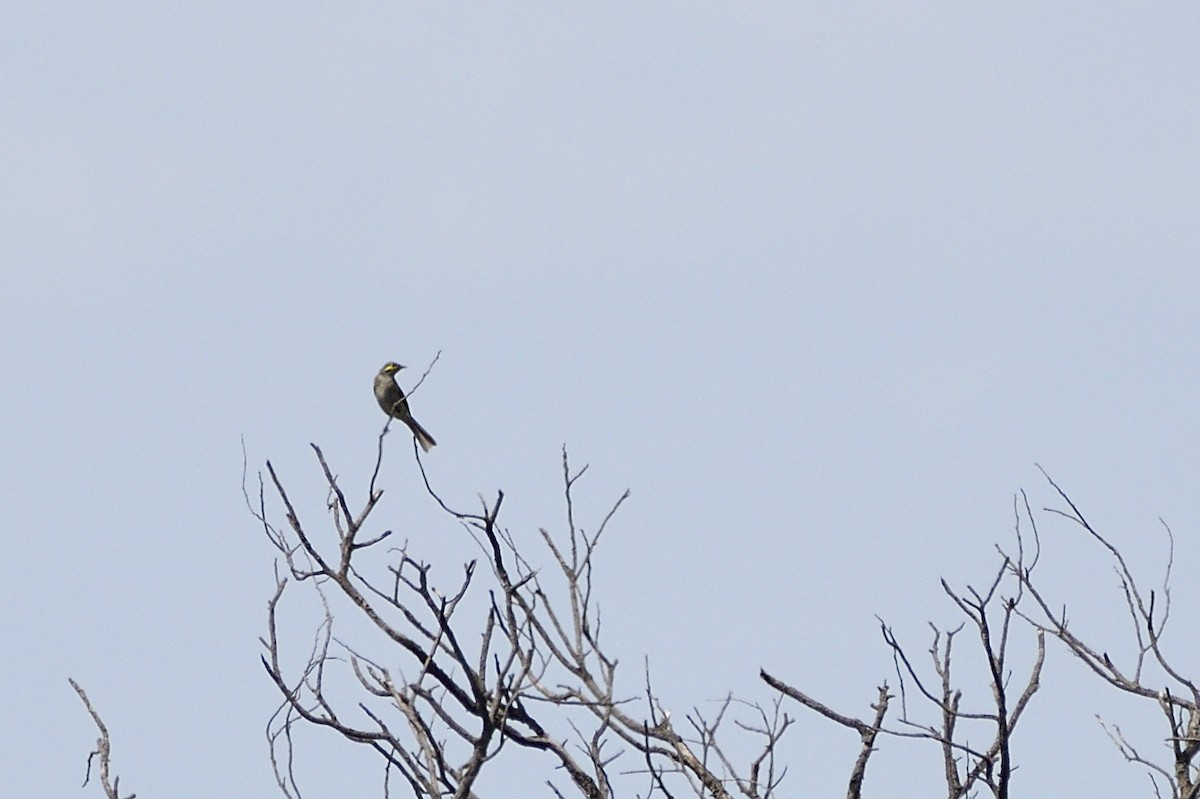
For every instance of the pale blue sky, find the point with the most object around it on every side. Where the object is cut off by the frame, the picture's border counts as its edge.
(819, 283)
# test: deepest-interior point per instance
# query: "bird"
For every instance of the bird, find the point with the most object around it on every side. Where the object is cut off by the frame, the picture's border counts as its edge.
(395, 404)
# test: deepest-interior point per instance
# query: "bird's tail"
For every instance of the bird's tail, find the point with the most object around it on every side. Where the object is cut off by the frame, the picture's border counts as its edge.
(423, 438)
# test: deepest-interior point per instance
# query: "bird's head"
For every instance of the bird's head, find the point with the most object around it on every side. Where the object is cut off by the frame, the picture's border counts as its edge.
(390, 368)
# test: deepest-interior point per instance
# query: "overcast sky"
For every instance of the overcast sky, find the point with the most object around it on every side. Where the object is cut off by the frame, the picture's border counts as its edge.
(819, 283)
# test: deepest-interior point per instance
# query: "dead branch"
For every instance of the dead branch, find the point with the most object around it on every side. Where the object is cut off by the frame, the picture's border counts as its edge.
(1179, 701)
(102, 752)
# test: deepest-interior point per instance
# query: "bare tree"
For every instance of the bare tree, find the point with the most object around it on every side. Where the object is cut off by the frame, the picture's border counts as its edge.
(442, 675)
(528, 670)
